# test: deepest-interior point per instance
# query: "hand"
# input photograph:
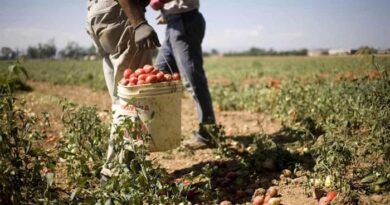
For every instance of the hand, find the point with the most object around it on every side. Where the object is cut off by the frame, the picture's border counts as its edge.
(157, 4)
(145, 37)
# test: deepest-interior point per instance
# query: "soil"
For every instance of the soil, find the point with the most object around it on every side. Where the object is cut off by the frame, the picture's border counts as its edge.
(46, 97)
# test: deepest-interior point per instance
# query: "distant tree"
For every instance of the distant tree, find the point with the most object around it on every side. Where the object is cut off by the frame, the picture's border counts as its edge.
(365, 50)
(270, 52)
(46, 50)
(33, 52)
(91, 50)
(206, 54)
(214, 52)
(73, 50)
(7, 53)
(256, 51)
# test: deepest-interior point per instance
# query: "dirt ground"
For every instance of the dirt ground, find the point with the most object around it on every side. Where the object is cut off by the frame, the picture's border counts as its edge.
(46, 98)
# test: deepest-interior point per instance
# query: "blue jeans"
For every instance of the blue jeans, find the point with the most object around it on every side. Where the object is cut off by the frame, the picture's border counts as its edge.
(182, 50)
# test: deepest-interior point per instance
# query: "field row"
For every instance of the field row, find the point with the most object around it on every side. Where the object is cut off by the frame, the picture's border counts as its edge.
(335, 133)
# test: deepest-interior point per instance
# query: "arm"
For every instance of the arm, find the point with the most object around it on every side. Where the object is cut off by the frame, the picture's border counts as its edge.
(134, 11)
(144, 35)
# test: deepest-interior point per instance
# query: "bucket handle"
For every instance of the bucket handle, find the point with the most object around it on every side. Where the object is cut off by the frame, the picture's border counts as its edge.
(166, 61)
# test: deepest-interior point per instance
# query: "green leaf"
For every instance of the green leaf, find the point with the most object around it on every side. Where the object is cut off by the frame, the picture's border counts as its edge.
(74, 192)
(23, 70)
(381, 180)
(144, 173)
(99, 202)
(159, 185)
(11, 68)
(133, 166)
(142, 180)
(108, 202)
(50, 165)
(49, 179)
(137, 199)
(369, 178)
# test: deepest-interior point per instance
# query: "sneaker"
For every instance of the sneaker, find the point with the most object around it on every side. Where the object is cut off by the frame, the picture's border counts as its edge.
(195, 143)
(199, 140)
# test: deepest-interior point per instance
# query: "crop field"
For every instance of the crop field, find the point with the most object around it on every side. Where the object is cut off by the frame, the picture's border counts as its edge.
(298, 130)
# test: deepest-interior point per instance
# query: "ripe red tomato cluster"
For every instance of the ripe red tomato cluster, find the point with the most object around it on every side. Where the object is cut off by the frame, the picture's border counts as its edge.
(146, 75)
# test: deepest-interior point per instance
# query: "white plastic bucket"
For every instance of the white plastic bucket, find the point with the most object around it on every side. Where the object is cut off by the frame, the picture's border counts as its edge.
(158, 106)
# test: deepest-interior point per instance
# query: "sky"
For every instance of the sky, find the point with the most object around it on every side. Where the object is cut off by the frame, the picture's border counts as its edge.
(232, 25)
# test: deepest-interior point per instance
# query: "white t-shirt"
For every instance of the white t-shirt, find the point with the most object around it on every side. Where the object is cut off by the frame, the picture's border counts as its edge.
(179, 6)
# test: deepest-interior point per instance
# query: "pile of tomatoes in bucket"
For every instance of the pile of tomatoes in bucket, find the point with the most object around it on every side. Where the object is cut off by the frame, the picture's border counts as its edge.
(146, 75)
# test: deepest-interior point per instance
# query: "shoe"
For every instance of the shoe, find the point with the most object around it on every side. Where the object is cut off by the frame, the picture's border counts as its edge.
(194, 143)
(199, 140)
(206, 137)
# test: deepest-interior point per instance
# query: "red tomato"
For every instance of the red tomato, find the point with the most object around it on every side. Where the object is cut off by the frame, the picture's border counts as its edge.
(331, 195)
(133, 80)
(258, 200)
(127, 73)
(160, 76)
(186, 182)
(124, 81)
(151, 79)
(226, 203)
(142, 76)
(267, 198)
(140, 82)
(155, 71)
(167, 77)
(176, 76)
(272, 191)
(148, 68)
(139, 71)
(324, 201)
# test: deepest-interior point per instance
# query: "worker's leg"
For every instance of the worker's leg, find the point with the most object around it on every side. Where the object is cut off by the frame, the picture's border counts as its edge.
(183, 43)
(112, 35)
(165, 60)
(185, 36)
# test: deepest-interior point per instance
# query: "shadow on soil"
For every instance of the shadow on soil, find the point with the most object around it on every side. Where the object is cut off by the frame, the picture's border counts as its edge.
(253, 162)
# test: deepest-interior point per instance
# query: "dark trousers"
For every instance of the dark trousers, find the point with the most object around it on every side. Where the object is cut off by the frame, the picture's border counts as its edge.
(182, 50)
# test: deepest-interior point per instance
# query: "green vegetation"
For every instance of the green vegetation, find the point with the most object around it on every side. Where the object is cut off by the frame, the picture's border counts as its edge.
(237, 69)
(89, 73)
(24, 164)
(335, 114)
(66, 72)
(341, 118)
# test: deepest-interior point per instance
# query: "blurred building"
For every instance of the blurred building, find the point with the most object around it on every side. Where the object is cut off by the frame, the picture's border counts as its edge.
(317, 52)
(384, 52)
(340, 52)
